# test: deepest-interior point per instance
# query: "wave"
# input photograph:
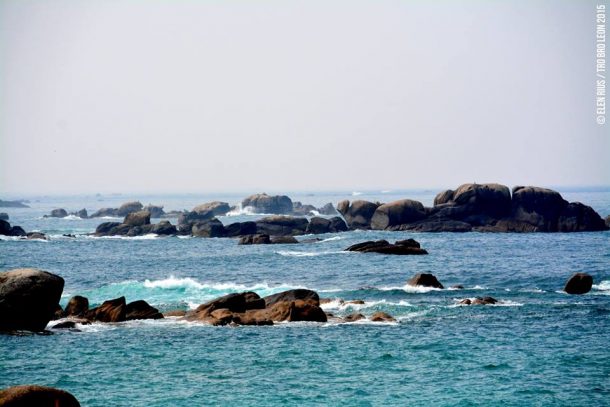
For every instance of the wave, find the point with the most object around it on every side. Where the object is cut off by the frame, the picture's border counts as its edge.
(291, 253)
(356, 193)
(602, 286)
(411, 289)
(72, 217)
(148, 236)
(341, 305)
(331, 239)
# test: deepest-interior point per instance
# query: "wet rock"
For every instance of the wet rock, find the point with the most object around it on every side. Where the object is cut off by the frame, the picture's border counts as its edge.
(278, 225)
(141, 310)
(397, 213)
(65, 325)
(58, 213)
(81, 214)
(254, 239)
(457, 287)
(424, 280)
(110, 311)
(77, 306)
(283, 240)
(36, 396)
(403, 247)
(28, 299)
(436, 225)
(358, 214)
(579, 283)
(138, 218)
(319, 225)
(382, 317)
(263, 203)
(305, 295)
(353, 317)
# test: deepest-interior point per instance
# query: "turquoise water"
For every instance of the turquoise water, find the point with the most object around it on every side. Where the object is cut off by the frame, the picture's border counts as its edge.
(538, 346)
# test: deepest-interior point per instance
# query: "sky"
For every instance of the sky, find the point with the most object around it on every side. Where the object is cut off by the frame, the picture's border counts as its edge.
(203, 96)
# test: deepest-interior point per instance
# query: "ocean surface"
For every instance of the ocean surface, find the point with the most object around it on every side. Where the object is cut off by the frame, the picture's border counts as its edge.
(537, 347)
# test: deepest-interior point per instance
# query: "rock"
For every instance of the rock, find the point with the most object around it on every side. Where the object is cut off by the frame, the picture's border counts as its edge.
(353, 317)
(327, 209)
(436, 225)
(7, 230)
(283, 240)
(106, 228)
(457, 287)
(277, 225)
(174, 313)
(110, 311)
(240, 229)
(424, 280)
(579, 283)
(141, 310)
(17, 231)
(538, 207)
(12, 204)
(357, 215)
(235, 302)
(208, 228)
(155, 211)
(38, 396)
(105, 212)
(128, 208)
(65, 325)
(318, 225)
(58, 313)
(28, 299)
(397, 213)
(302, 210)
(606, 221)
(36, 235)
(403, 247)
(58, 213)
(77, 306)
(483, 199)
(164, 228)
(577, 217)
(478, 301)
(210, 210)
(337, 224)
(263, 203)
(82, 214)
(443, 197)
(138, 218)
(220, 317)
(380, 316)
(4, 216)
(254, 239)
(305, 295)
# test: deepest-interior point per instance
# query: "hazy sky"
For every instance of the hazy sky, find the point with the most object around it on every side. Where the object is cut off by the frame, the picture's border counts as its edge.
(204, 96)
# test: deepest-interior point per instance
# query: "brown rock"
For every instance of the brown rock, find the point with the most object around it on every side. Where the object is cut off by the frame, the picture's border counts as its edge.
(36, 396)
(141, 310)
(77, 306)
(424, 280)
(353, 317)
(380, 316)
(110, 311)
(139, 218)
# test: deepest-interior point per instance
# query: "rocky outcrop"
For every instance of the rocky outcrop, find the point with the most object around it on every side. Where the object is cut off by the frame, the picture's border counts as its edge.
(123, 210)
(36, 236)
(201, 214)
(208, 228)
(12, 204)
(424, 280)
(380, 316)
(7, 230)
(435, 225)
(397, 213)
(110, 311)
(579, 283)
(263, 203)
(141, 310)
(240, 229)
(104, 212)
(358, 214)
(4, 216)
(401, 247)
(136, 224)
(38, 396)
(318, 225)
(139, 218)
(28, 299)
(164, 228)
(278, 225)
(249, 309)
(266, 239)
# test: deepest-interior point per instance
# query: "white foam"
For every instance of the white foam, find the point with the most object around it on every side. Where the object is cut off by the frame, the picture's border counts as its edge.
(411, 289)
(356, 193)
(72, 217)
(602, 286)
(291, 253)
(338, 304)
(173, 282)
(248, 210)
(330, 239)
(148, 236)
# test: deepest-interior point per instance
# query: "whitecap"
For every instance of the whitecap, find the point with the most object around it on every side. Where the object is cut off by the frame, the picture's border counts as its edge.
(173, 282)
(602, 286)
(411, 289)
(291, 253)
(72, 217)
(356, 193)
(338, 304)
(330, 239)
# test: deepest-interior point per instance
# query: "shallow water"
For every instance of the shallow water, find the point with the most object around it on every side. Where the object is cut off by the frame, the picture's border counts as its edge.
(538, 346)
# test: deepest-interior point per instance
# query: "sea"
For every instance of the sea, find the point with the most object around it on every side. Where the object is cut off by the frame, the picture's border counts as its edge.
(536, 347)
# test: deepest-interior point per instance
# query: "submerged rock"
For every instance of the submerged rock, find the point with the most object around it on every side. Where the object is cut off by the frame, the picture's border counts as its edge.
(479, 301)
(579, 283)
(380, 316)
(353, 317)
(424, 280)
(36, 235)
(28, 299)
(36, 396)
(401, 247)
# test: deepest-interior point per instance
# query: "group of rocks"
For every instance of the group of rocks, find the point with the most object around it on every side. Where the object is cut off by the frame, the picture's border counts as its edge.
(17, 231)
(477, 207)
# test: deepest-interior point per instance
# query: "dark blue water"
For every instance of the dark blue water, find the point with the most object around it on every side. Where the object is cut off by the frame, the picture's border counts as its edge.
(538, 346)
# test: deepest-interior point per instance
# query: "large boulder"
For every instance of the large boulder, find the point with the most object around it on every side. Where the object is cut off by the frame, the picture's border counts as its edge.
(138, 218)
(234, 303)
(358, 214)
(58, 213)
(164, 228)
(477, 204)
(240, 229)
(7, 230)
(254, 239)
(443, 197)
(424, 280)
(36, 396)
(208, 228)
(210, 209)
(579, 283)
(28, 299)
(538, 207)
(155, 211)
(327, 209)
(141, 310)
(77, 307)
(397, 213)
(81, 213)
(110, 311)
(302, 294)
(129, 207)
(401, 247)
(577, 217)
(263, 203)
(278, 225)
